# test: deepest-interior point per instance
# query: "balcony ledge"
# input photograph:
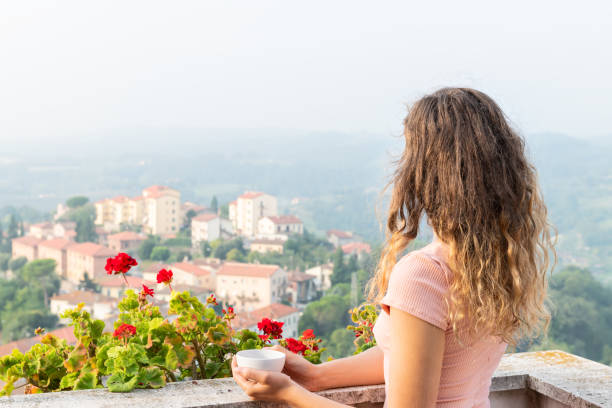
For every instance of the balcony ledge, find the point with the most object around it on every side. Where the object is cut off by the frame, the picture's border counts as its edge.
(540, 379)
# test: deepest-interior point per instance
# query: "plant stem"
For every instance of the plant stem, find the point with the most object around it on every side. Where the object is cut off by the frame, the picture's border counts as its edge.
(170, 374)
(199, 358)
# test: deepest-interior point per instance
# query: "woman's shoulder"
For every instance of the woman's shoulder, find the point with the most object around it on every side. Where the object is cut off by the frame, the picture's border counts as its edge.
(426, 263)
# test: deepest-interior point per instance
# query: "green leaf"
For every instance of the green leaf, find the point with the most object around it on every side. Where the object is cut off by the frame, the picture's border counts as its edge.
(86, 381)
(119, 382)
(68, 381)
(151, 377)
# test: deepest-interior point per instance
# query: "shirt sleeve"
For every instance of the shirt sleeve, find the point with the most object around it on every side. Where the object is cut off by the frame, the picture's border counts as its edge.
(419, 286)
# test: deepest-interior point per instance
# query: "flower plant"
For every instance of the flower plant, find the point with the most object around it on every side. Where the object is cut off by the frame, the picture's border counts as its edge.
(147, 349)
(363, 317)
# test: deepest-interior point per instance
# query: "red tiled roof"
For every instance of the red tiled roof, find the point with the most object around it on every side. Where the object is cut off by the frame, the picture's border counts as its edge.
(120, 199)
(137, 198)
(113, 281)
(190, 268)
(244, 269)
(340, 234)
(126, 236)
(84, 296)
(299, 276)
(156, 191)
(284, 219)
(356, 247)
(45, 224)
(205, 217)
(91, 249)
(27, 240)
(56, 243)
(273, 311)
(251, 194)
(233, 202)
(156, 267)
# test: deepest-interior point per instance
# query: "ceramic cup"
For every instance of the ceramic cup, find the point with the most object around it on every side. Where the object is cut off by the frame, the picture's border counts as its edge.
(261, 359)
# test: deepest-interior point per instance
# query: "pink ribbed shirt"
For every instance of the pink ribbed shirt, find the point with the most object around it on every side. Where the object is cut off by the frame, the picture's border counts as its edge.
(419, 285)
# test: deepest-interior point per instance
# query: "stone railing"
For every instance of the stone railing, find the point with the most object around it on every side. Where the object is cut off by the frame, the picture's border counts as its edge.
(547, 379)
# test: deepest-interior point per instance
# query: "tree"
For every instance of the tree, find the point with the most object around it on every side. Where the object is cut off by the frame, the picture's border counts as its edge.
(235, 255)
(180, 256)
(13, 227)
(17, 263)
(160, 253)
(41, 273)
(214, 204)
(4, 262)
(224, 211)
(340, 272)
(340, 343)
(76, 201)
(21, 229)
(205, 248)
(326, 315)
(145, 249)
(187, 220)
(84, 217)
(221, 248)
(88, 284)
(22, 323)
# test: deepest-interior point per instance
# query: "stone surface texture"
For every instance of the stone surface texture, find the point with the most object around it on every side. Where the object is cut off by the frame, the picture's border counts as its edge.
(541, 379)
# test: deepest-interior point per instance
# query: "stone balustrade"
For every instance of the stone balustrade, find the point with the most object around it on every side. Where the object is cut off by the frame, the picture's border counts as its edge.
(547, 379)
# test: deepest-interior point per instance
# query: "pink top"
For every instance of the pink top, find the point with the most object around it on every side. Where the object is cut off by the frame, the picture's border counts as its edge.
(419, 285)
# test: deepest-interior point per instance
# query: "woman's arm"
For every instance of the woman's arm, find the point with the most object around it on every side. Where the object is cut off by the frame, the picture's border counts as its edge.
(417, 349)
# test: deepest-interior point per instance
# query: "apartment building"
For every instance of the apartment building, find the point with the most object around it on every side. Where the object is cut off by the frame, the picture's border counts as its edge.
(356, 248)
(263, 245)
(56, 249)
(322, 275)
(86, 257)
(125, 241)
(338, 238)
(290, 316)
(41, 230)
(250, 285)
(248, 209)
(114, 286)
(157, 210)
(279, 225)
(208, 227)
(194, 275)
(301, 288)
(26, 246)
(98, 305)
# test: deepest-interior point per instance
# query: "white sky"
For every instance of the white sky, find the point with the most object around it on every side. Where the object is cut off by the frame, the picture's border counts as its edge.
(68, 68)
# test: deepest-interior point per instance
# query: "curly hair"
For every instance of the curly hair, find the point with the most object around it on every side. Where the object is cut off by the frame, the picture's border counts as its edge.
(466, 169)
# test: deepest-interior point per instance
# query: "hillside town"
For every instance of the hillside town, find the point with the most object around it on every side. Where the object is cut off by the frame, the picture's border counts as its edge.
(232, 251)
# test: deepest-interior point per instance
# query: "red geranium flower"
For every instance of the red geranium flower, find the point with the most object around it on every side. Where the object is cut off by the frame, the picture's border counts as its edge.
(147, 291)
(308, 334)
(120, 264)
(296, 346)
(271, 327)
(124, 331)
(165, 276)
(211, 300)
(264, 337)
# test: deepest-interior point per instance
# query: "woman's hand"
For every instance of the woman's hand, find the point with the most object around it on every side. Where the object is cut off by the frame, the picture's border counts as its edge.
(264, 385)
(300, 370)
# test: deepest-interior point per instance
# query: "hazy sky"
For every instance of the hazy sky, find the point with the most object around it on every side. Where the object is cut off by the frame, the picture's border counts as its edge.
(70, 68)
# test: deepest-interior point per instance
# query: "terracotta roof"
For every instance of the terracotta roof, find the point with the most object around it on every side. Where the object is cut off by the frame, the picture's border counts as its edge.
(190, 268)
(299, 276)
(27, 240)
(114, 281)
(126, 236)
(205, 217)
(156, 191)
(56, 243)
(137, 198)
(120, 199)
(340, 234)
(244, 269)
(45, 224)
(91, 249)
(84, 296)
(273, 311)
(251, 194)
(154, 268)
(356, 247)
(233, 202)
(284, 219)
(187, 205)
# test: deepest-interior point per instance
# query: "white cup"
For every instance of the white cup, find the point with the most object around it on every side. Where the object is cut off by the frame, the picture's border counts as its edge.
(261, 359)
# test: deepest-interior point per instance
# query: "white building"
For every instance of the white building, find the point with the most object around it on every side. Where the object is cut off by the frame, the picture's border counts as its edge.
(98, 305)
(279, 225)
(208, 227)
(322, 274)
(248, 209)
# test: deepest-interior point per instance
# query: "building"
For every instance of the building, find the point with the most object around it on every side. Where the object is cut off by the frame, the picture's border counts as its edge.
(86, 257)
(114, 286)
(274, 225)
(248, 209)
(196, 208)
(263, 245)
(209, 227)
(322, 275)
(98, 305)
(65, 229)
(250, 285)
(42, 230)
(301, 289)
(338, 238)
(26, 246)
(126, 241)
(56, 249)
(290, 316)
(356, 248)
(157, 210)
(193, 275)
(150, 273)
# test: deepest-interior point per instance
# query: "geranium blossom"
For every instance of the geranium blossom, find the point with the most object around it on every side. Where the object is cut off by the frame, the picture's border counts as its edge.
(296, 346)
(211, 300)
(124, 331)
(165, 276)
(147, 291)
(308, 334)
(120, 264)
(271, 327)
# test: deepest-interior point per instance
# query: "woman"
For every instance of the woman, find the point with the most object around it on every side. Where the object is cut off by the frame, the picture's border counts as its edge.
(449, 310)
